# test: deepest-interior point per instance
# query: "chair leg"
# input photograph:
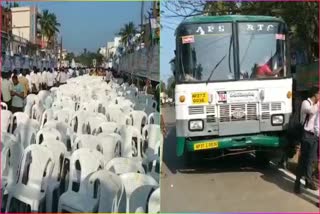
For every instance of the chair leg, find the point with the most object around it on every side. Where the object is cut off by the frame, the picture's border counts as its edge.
(8, 203)
(35, 206)
(49, 200)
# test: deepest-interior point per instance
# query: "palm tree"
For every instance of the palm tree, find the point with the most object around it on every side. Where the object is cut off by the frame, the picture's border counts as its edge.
(127, 33)
(49, 25)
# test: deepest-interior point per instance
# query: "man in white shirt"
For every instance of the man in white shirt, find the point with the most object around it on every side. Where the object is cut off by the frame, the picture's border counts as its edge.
(44, 79)
(35, 81)
(28, 76)
(6, 88)
(309, 143)
(50, 79)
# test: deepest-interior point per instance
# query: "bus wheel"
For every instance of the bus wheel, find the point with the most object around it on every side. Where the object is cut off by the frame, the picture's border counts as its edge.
(262, 158)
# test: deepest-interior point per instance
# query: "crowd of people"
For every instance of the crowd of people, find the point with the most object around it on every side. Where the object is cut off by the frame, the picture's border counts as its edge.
(19, 83)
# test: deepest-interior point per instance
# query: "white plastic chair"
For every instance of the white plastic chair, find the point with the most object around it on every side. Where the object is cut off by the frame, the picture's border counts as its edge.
(86, 141)
(63, 115)
(116, 115)
(121, 165)
(93, 121)
(4, 106)
(67, 135)
(37, 111)
(78, 122)
(26, 134)
(11, 153)
(108, 188)
(154, 202)
(17, 119)
(131, 141)
(59, 152)
(35, 171)
(46, 134)
(106, 127)
(46, 116)
(139, 119)
(78, 199)
(110, 146)
(151, 135)
(6, 121)
(154, 118)
(138, 188)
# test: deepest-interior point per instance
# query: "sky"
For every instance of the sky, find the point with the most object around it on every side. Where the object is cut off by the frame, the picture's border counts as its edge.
(167, 43)
(91, 24)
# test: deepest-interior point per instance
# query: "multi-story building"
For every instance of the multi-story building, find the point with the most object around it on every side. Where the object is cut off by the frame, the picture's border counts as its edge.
(26, 23)
(6, 20)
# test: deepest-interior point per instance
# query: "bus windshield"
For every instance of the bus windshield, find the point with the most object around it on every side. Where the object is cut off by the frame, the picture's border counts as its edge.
(205, 53)
(261, 50)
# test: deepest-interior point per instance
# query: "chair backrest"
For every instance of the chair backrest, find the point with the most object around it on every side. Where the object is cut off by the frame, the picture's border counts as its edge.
(106, 127)
(154, 202)
(108, 187)
(36, 167)
(121, 165)
(32, 99)
(78, 121)
(154, 118)
(6, 121)
(86, 141)
(139, 119)
(11, 153)
(131, 141)
(63, 115)
(110, 146)
(46, 116)
(93, 122)
(151, 134)
(46, 134)
(83, 162)
(26, 135)
(59, 152)
(4, 106)
(134, 181)
(19, 118)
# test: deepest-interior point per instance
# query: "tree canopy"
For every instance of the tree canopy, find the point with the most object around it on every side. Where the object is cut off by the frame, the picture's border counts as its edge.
(301, 17)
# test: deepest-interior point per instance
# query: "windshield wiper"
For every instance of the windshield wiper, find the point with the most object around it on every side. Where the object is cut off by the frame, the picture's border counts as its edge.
(215, 67)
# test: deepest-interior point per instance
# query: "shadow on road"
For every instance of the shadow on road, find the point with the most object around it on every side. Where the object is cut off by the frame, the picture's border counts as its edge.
(240, 163)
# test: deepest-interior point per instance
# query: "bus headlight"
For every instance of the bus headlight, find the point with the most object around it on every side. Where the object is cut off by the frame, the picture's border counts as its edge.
(277, 119)
(195, 125)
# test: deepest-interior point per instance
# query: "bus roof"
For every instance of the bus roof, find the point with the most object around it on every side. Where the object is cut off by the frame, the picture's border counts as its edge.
(231, 18)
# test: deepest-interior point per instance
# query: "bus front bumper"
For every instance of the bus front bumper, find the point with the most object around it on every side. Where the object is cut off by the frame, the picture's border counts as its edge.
(234, 142)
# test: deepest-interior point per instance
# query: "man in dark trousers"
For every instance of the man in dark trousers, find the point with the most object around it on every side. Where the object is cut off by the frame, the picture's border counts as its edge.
(309, 143)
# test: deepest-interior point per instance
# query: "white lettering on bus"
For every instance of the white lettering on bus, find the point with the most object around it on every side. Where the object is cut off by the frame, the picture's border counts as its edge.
(200, 30)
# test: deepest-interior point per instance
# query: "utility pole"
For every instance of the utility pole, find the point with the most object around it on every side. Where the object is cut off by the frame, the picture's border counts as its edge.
(142, 15)
(61, 52)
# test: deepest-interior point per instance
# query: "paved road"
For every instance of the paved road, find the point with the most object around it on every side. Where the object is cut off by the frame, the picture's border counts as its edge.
(234, 184)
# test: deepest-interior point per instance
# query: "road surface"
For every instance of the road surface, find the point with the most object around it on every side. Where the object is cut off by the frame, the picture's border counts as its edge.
(234, 184)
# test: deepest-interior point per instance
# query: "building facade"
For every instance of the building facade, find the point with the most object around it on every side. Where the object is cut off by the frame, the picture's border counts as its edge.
(26, 23)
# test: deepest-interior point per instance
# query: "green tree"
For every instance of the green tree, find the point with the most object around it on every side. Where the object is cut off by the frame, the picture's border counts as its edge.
(171, 86)
(49, 26)
(127, 33)
(70, 56)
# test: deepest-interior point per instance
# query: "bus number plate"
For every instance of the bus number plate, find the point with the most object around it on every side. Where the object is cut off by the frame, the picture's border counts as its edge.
(207, 145)
(200, 98)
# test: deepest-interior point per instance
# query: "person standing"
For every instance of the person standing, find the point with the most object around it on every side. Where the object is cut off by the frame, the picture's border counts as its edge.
(17, 94)
(24, 82)
(28, 76)
(6, 87)
(309, 143)
(44, 79)
(35, 81)
(50, 79)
